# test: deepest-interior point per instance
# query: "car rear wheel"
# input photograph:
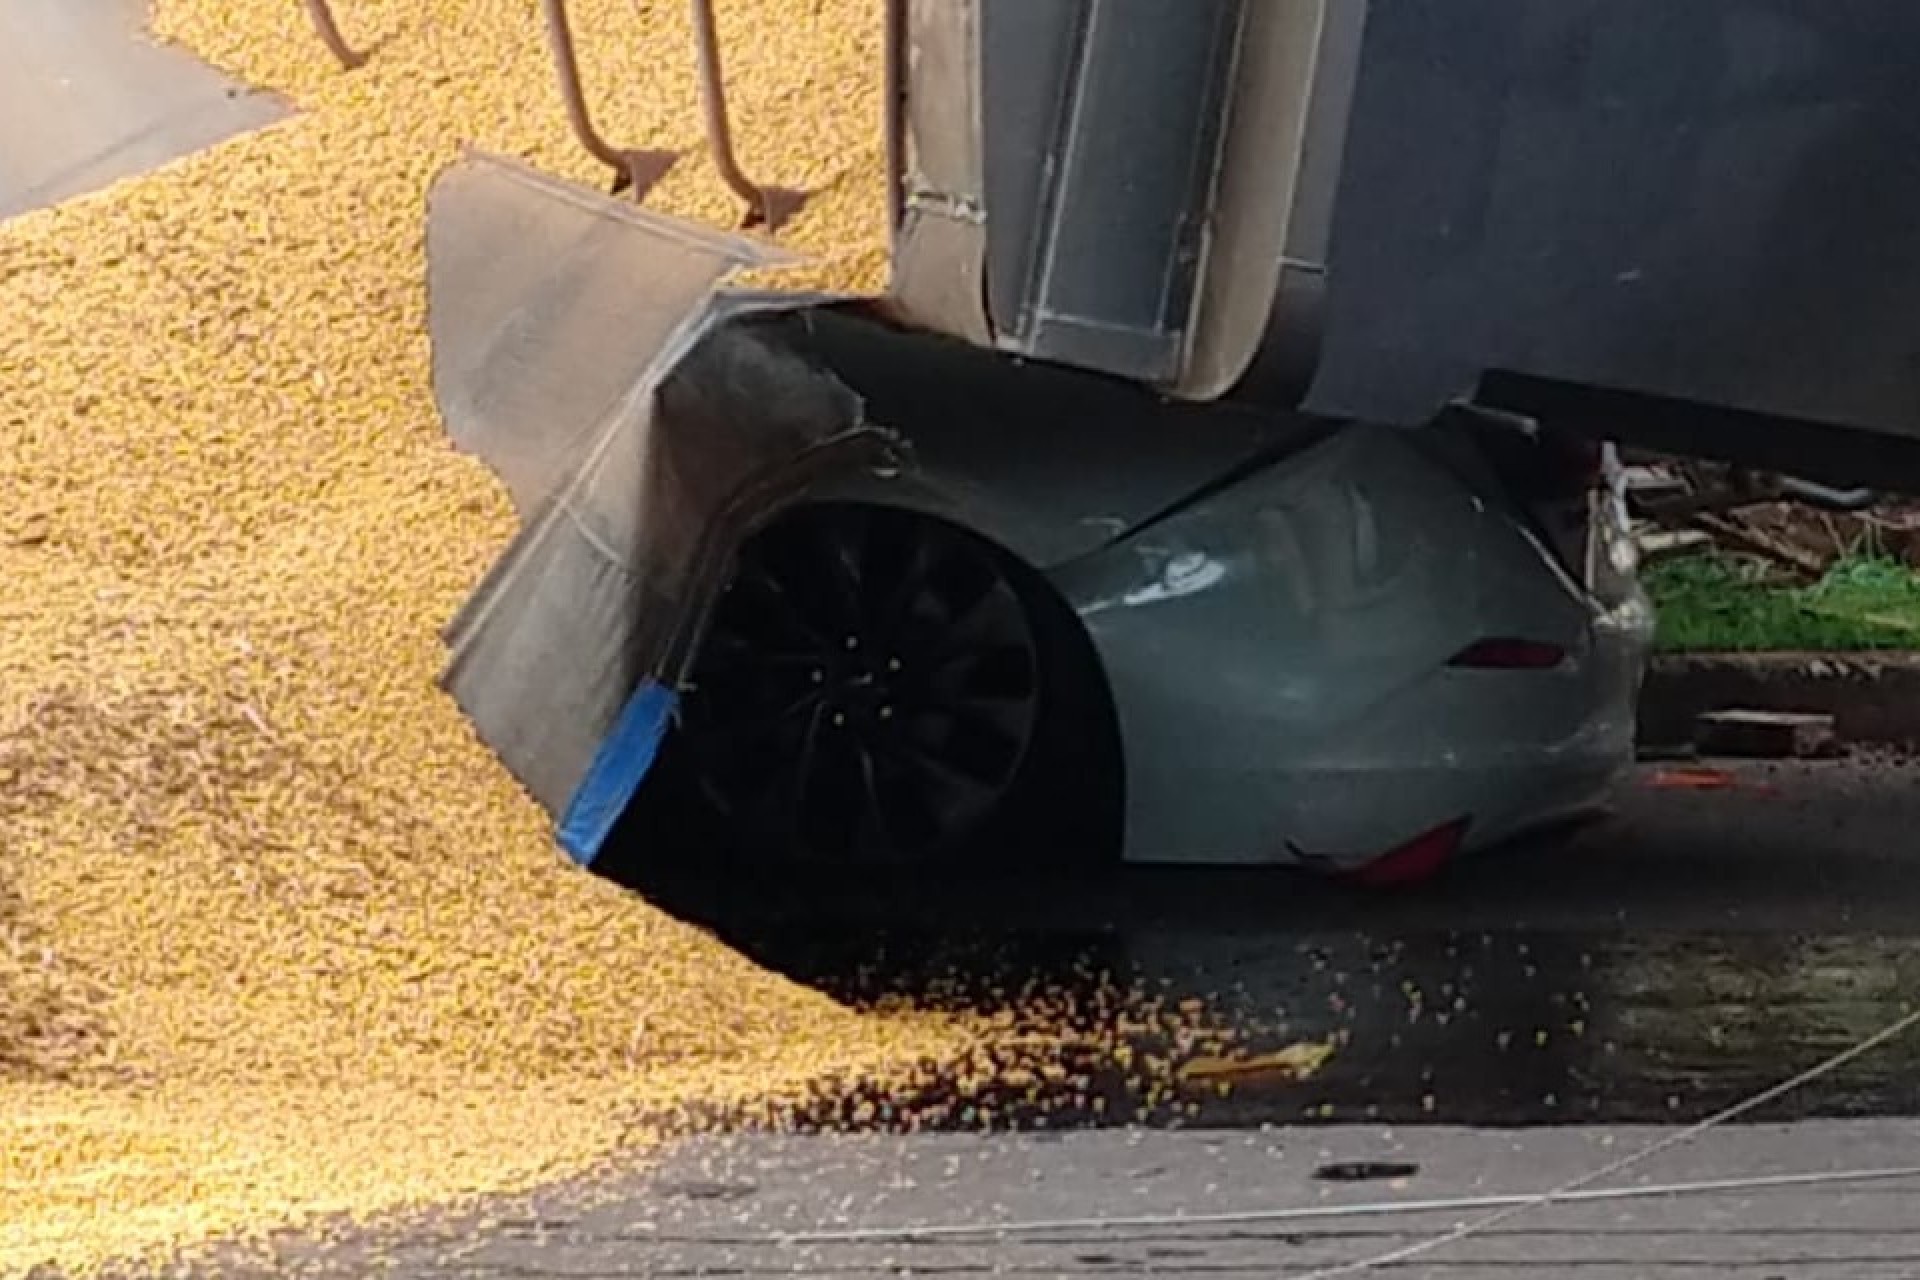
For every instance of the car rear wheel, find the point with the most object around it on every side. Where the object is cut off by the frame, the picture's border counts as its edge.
(870, 687)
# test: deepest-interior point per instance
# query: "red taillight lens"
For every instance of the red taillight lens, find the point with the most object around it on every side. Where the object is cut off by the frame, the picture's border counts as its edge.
(1509, 653)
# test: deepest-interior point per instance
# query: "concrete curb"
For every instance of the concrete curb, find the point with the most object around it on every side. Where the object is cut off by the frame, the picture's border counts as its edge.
(1873, 697)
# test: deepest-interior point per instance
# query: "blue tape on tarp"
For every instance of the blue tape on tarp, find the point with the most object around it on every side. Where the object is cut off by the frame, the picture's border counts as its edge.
(618, 767)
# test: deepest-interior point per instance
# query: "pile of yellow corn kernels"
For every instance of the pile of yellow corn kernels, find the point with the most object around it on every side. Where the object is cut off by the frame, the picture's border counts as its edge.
(278, 936)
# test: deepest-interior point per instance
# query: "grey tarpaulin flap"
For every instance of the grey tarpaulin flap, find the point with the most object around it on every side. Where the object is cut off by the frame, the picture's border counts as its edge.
(641, 419)
(608, 584)
(548, 304)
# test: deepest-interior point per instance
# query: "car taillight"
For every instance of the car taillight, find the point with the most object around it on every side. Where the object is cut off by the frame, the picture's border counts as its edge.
(1509, 653)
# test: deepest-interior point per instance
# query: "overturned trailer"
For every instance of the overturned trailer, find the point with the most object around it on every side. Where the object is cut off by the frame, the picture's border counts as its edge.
(1211, 482)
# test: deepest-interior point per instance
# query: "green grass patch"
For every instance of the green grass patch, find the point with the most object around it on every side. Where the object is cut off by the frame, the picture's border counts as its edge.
(1721, 602)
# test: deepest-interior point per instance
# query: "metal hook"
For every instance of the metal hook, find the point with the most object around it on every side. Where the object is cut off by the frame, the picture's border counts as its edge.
(329, 30)
(768, 205)
(639, 170)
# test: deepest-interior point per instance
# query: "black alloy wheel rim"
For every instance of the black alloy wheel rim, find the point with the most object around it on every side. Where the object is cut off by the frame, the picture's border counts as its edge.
(867, 689)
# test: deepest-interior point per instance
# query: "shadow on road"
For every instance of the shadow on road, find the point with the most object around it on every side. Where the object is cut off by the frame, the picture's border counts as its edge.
(1656, 967)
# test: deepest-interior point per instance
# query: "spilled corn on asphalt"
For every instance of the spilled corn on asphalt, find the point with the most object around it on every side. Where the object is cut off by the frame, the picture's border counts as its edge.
(278, 937)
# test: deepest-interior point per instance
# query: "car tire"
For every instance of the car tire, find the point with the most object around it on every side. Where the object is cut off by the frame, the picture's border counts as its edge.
(976, 732)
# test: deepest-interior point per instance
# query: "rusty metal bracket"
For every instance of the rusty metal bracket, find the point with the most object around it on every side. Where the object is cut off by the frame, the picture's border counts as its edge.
(768, 206)
(322, 15)
(638, 170)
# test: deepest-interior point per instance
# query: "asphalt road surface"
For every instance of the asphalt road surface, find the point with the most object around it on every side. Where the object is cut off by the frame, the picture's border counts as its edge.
(765, 1206)
(1534, 1017)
